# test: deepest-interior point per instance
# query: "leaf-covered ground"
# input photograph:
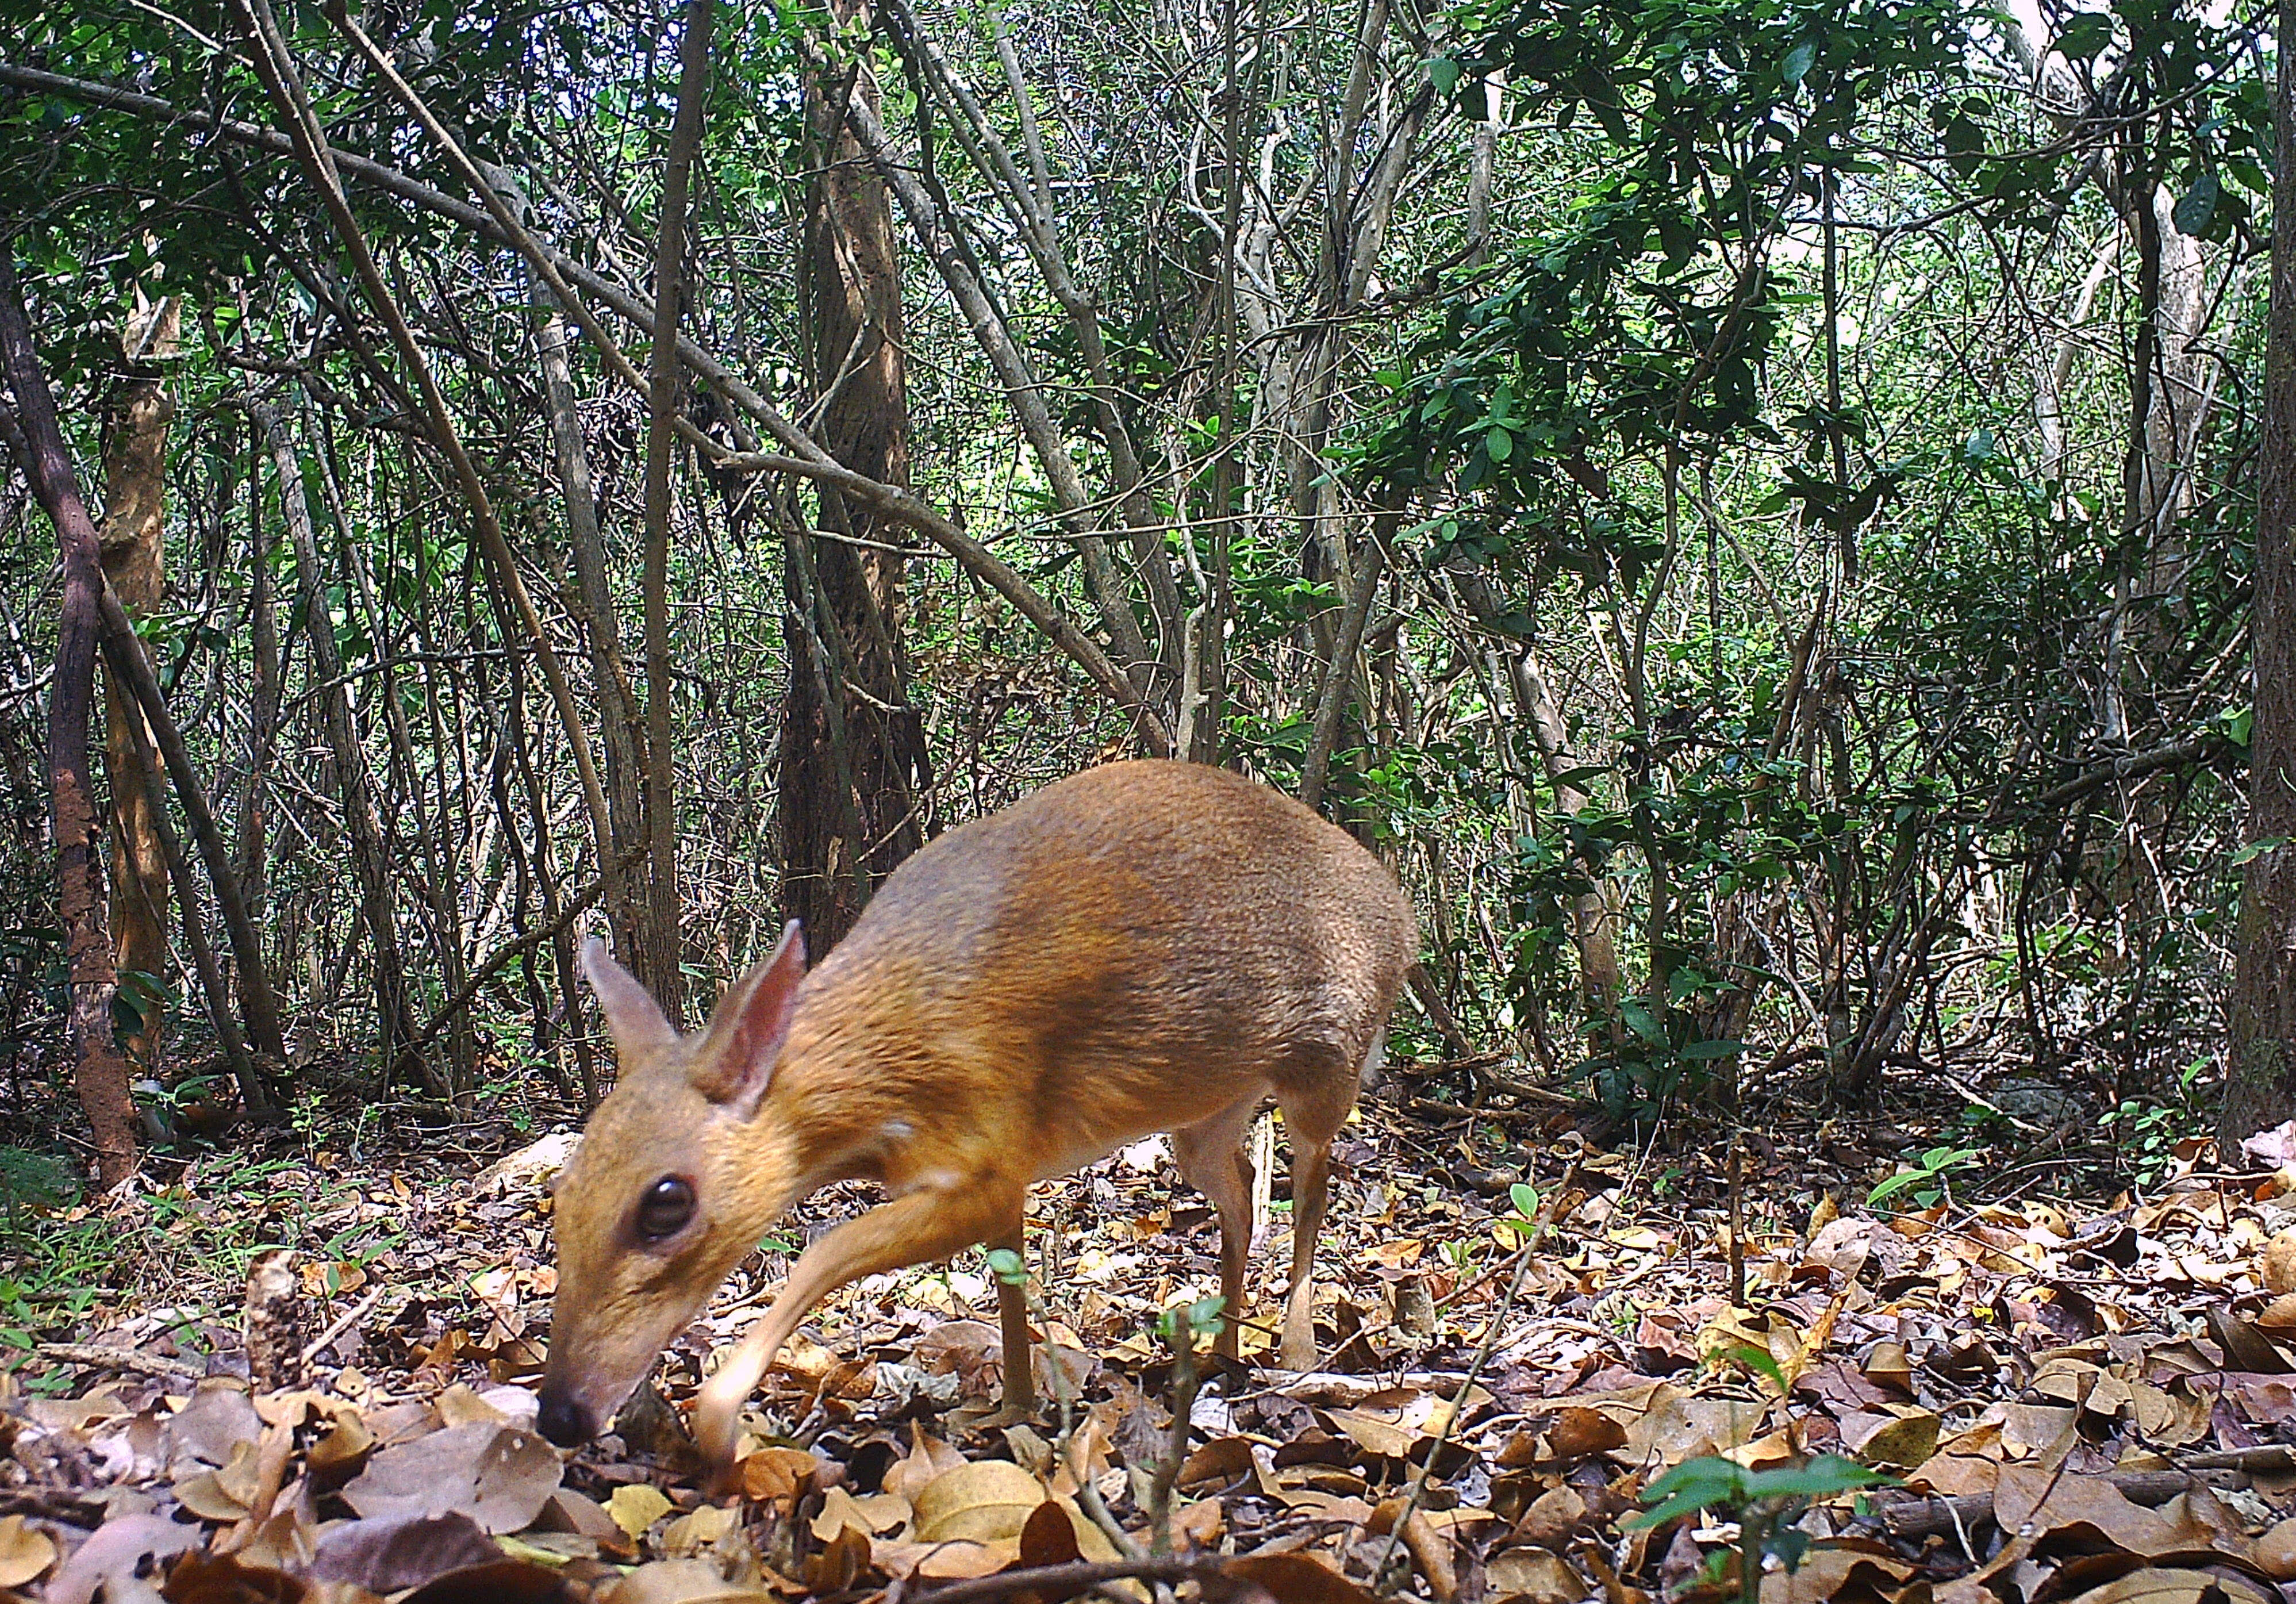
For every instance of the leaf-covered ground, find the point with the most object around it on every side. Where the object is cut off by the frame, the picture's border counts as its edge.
(2079, 1403)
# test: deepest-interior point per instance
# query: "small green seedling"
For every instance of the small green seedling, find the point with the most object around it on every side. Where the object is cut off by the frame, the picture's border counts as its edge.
(1764, 1503)
(1523, 1225)
(1934, 1175)
(1006, 1265)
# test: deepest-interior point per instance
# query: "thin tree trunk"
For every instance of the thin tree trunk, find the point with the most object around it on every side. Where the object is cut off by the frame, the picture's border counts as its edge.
(261, 1008)
(2260, 1090)
(662, 947)
(1339, 676)
(253, 865)
(619, 720)
(1535, 705)
(854, 777)
(255, 1096)
(135, 566)
(101, 1072)
(370, 856)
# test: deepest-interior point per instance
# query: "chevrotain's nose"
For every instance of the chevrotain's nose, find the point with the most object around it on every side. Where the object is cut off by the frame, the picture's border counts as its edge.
(564, 1421)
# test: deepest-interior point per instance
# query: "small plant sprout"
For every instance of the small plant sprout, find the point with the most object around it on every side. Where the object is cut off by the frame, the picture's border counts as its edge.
(1006, 1265)
(1764, 1503)
(1933, 1176)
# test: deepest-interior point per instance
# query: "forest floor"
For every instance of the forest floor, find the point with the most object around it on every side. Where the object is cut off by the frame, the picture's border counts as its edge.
(2072, 1402)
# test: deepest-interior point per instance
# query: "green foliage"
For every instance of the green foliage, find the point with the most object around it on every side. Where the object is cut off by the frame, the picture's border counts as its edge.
(1933, 1176)
(1766, 1503)
(2153, 1134)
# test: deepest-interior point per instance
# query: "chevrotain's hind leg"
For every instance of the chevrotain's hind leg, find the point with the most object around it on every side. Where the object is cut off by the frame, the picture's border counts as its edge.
(1210, 1155)
(1315, 1107)
(923, 1225)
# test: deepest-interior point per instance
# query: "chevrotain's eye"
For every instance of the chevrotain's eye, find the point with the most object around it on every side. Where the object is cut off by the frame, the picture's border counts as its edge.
(665, 1207)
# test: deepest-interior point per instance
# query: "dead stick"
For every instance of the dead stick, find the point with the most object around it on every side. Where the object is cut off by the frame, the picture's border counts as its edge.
(349, 1318)
(126, 1361)
(1062, 1581)
(1933, 1517)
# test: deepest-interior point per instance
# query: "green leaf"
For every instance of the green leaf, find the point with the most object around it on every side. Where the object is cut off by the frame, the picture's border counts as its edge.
(2198, 205)
(1798, 62)
(1822, 1478)
(2257, 849)
(1690, 1486)
(1718, 1048)
(1763, 1364)
(1498, 445)
(1525, 1199)
(1443, 73)
(2086, 34)
(1895, 1184)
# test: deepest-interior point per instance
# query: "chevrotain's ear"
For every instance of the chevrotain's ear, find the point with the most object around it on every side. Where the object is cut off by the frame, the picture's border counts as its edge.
(735, 1062)
(636, 1020)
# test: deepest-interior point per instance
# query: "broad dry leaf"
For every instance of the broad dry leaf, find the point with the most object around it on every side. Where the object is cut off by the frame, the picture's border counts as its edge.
(2047, 1501)
(680, 1582)
(24, 1553)
(1534, 1575)
(1580, 1432)
(1553, 1518)
(115, 1554)
(982, 1502)
(692, 1533)
(2275, 1266)
(1296, 1579)
(928, 1458)
(1907, 1439)
(2276, 1551)
(499, 1477)
(636, 1506)
(391, 1555)
(838, 1512)
(2151, 1586)
(1827, 1574)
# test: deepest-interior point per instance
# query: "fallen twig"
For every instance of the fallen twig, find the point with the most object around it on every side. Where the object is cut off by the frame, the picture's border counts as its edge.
(349, 1318)
(1936, 1515)
(126, 1361)
(1063, 1581)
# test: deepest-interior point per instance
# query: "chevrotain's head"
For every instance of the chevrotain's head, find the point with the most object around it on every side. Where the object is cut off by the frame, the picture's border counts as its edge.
(677, 1177)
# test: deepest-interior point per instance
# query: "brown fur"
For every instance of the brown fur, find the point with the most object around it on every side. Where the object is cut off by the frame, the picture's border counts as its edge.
(1146, 946)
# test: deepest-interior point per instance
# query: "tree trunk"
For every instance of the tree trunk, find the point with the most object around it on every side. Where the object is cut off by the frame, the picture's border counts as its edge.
(370, 854)
(101, 1074)
(662, 947)
(135, 565)
(855, 778)
(2260, 1090)
(1599, 975)
(620, 720)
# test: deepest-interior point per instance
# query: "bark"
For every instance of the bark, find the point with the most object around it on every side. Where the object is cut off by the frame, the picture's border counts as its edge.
(261, 1006)
(2260, 1090)
(100, 1074)
(255, 1096)
(1338, 675)
(1535, 703)
(661, 949)
(135, 565)
(937, 236)
(619, 716)
(854, 777)
(354, 782)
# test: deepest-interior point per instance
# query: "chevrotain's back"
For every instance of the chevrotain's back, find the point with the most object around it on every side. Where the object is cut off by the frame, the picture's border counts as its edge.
(1103, 951)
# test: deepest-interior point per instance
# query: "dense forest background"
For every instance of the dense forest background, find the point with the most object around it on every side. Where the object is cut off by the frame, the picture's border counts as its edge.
(1752, 509)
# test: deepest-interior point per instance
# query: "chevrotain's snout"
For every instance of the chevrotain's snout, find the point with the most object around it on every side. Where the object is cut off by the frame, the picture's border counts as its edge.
(564, 1421)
